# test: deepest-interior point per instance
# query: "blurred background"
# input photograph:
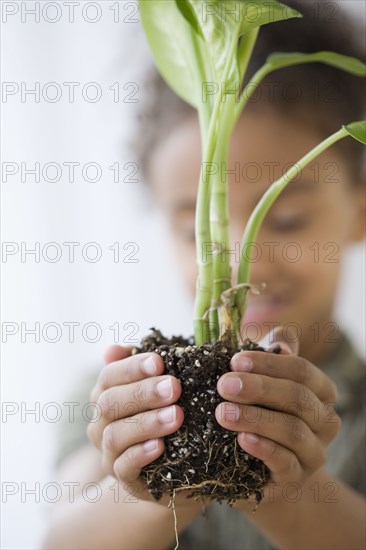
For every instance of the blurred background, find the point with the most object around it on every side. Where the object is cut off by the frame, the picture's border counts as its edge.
(85, 257)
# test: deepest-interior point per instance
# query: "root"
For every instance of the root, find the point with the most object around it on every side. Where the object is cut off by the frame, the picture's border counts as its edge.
(214, 482)
(172, 506)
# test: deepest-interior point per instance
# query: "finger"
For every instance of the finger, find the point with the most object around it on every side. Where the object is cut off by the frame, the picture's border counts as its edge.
(116, 353)
(282, 463)
(127, 467)
(286, 430)
(287, 367)
(119, 436)
(128, 400)
(118, 402)
(126, 371)
(282, 395)
(286, 338)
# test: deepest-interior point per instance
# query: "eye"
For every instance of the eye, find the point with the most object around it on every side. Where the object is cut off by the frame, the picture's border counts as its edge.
(288, 223)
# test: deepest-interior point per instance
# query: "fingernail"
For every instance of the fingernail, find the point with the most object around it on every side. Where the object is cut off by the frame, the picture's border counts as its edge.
(251, 438)
(231, 385)
(165, 388)
(150, 445)
(149, 366)
(231, 413)
(242, 363)
(167, 415)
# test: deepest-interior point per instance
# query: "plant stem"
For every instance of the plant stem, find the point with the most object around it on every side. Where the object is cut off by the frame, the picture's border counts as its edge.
(295, 59)
(249, 89)
(203, 233)
(205, 108)
(255, 221)
(218, 267)
(219, 220)
(204, 289)
(245, 50)
(223, 321)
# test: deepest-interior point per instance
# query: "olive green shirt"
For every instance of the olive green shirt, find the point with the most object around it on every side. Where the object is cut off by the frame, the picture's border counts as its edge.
(226, 528)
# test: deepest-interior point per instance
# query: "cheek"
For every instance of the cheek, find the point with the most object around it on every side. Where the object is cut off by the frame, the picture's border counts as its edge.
(315, 253)
(312, 265)
(313, 258)
(317, 267)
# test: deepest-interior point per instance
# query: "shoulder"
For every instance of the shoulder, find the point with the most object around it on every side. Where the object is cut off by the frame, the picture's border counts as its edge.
(347, 369)
(346, 454)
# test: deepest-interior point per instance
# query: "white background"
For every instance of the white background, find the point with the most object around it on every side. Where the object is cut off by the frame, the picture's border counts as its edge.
(104, 212)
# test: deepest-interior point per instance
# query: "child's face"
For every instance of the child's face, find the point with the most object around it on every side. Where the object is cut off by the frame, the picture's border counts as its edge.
(303, 237)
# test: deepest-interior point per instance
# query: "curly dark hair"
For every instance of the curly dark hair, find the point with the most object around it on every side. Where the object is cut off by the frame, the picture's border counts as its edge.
(331, 96)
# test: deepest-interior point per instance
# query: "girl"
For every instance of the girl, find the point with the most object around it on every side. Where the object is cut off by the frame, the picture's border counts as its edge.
(313, 500)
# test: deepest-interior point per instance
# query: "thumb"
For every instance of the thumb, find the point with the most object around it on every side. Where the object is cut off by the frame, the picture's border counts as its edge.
(286, 338)
(116, 353)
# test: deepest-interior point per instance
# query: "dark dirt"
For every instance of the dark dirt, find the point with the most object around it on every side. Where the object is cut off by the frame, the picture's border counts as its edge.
(202, 457)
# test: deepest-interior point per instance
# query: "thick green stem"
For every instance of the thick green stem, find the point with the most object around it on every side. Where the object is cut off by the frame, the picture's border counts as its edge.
(204, 244)
(204, 261)
(265, 203)
(219, 216)
(203, 233)
(213, 257)
(220, 231)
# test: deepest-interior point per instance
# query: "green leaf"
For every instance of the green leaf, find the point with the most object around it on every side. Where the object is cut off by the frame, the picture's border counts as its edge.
(190, 15)
(225, 21)
(261, 13)
(191, 40)
(172, 41)
(344, 62)
(357, 130)
(223, 17)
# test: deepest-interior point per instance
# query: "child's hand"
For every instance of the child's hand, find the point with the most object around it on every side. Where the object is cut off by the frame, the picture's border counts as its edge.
(135, 410)
(282, 407)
